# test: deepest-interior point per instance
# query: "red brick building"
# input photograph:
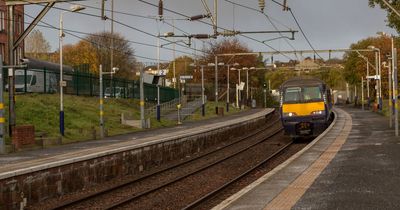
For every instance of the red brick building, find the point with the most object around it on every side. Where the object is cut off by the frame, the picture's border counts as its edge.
(19, 28)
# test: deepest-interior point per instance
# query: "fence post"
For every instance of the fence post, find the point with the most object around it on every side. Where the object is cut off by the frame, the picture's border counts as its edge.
(77, 82)
(25, 81)
(44, 78)
(90, 85)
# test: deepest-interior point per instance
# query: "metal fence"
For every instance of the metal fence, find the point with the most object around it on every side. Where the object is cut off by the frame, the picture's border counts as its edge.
(86, 84)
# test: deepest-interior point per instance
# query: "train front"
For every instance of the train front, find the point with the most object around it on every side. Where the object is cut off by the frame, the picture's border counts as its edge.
(303, 110)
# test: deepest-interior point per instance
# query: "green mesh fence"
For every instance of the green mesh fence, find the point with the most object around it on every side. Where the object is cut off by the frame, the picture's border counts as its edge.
(85, 84)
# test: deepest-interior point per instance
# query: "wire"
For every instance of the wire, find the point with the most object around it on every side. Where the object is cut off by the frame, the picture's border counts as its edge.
(269, 19)
(119, 22)
(298, 25)
(309, 43)
(181, 14)
(87, 40)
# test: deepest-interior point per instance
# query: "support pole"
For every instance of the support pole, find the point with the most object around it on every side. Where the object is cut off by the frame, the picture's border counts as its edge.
(227, 89)
(101, 97)
(396, 110)
(2, 119)
(216, 85)
(362, 93)
(390, 96)
(11, 62)
(142, 100)
(203, 106)
(158, 104)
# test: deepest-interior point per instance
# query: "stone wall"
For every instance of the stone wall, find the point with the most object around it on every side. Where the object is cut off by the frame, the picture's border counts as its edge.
(39, 186)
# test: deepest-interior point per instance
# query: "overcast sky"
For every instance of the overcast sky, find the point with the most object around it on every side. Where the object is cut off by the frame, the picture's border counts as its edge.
(328, 24)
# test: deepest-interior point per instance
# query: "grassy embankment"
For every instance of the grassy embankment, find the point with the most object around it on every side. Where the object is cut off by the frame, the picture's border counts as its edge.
(82, 115)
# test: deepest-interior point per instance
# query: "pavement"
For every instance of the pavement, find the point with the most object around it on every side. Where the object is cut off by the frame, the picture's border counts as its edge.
(355, 165)
(365, 172)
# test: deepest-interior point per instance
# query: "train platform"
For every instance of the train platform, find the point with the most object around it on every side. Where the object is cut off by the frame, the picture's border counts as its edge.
(29, 161)
(353, 165)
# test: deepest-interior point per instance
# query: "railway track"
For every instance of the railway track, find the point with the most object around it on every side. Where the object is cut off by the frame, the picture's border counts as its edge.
(80, 203)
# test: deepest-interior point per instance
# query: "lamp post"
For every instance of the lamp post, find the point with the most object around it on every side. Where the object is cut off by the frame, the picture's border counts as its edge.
(101, 96)
(247, 83)
(74, 8)
(247, 76)
(378, 72)
(227, 84)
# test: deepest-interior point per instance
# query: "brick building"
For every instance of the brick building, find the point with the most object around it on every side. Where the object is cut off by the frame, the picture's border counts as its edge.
(19, 28)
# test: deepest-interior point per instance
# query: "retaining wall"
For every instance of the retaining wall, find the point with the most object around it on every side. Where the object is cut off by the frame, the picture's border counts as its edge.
(61, 180)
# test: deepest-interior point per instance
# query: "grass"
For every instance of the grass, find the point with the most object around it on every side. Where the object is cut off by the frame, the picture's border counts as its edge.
(81, 115)
(210, 111)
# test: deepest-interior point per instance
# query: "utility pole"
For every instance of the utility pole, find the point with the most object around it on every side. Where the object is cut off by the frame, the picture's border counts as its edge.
(101, 102)
(362, 93)
(112, 91)
(142, 99)
(2, 120)
(396, 109)
(11, 62)
(216, 85)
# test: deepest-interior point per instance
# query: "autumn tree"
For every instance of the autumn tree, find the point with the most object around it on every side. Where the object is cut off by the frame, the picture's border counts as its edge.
(182, 67)
(355, 66)
(124, 54)
(36, 46)
(228, 46)
(393, 20)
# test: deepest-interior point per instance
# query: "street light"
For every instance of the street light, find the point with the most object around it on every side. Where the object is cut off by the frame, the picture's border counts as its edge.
(247, 83)
(73, 8)
(101, 73)
(378, 72)
(216, 83)
(227, 85)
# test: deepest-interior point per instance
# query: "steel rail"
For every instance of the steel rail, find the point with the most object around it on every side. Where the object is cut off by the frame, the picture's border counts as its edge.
(216, 191)
(89, 196)
(137, 196)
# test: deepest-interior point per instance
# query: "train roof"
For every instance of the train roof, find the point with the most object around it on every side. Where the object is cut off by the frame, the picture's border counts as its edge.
(298, 81)
(40, 64)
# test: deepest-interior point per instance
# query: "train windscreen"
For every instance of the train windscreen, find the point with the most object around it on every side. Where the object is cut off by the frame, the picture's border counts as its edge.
(302, 94)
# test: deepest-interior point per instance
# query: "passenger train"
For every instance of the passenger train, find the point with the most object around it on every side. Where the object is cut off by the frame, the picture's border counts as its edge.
(306, 107)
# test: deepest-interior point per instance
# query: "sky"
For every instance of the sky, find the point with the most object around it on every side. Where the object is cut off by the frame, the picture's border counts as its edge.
(328, 24)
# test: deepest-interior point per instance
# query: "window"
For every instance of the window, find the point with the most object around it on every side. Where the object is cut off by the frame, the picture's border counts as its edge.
(302, 94)
(2, 20)
(33, 82)
(3, 50)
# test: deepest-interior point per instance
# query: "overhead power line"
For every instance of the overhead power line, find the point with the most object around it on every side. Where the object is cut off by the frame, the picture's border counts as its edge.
(123, 24)
(183, 15)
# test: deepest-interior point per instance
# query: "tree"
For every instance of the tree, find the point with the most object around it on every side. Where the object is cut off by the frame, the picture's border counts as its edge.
(95, 49)
(124, 57)
(36, 45)
(182, 67)
(228, 46)
(393, 20)
(355, 66)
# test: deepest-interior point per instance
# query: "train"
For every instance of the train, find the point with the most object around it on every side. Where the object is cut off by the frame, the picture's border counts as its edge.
(305, 107)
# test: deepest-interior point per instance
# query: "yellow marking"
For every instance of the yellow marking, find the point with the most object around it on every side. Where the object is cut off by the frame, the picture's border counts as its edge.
(2, 120)
(101, 101)
(303, 109)
(141, 103)
(101, 113)
(1, 106)
(292, 194)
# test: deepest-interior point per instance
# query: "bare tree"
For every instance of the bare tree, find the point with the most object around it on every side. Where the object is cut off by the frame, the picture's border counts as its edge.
(36, 45)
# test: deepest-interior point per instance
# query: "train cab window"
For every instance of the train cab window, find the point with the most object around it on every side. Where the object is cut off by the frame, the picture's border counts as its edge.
(292, 94)
(312, 93)
(33, 82)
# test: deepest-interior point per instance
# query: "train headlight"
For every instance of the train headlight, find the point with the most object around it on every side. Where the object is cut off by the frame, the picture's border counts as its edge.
(289, 114)
(319, 112)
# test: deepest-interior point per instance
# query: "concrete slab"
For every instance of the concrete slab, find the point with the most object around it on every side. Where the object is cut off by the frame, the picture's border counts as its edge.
(266, 189)
(365, 172)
